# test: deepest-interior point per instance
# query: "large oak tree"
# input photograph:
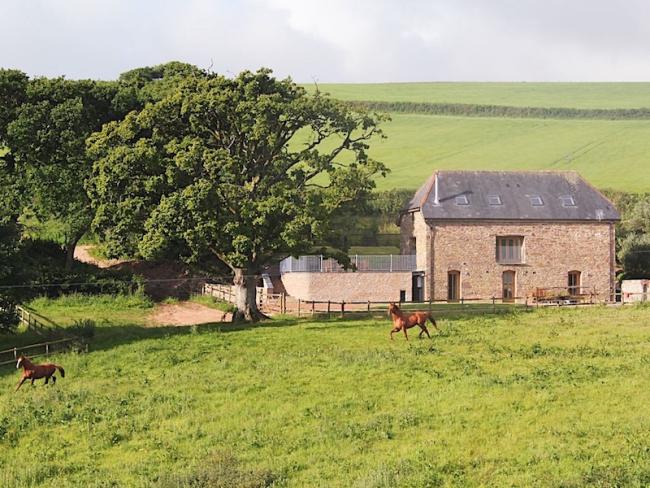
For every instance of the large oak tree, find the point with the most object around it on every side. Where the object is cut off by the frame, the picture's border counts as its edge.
(247, 170)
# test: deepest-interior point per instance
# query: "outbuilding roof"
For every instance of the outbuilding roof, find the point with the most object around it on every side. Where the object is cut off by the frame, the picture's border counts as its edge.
(511, 195)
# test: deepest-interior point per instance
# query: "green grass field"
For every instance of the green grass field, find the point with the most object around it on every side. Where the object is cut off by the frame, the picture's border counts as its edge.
(570, 95)
(609, 154)
(548, 398)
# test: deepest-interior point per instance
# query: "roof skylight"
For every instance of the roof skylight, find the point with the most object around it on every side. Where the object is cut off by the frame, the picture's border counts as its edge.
(567, 201)
(462, 200)
(536, 201)
(494, 200)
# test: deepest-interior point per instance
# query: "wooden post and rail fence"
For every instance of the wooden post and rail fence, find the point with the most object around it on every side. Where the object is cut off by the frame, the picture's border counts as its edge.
(45, 328)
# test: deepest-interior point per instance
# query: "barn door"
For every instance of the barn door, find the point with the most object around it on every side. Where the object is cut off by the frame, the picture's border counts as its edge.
(508, 286)
(453, 286)
(417, 291)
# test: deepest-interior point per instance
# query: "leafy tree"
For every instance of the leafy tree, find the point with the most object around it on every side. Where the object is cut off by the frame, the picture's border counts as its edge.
(634, 256)
(46, 139)
(245, 170)
(9, 234)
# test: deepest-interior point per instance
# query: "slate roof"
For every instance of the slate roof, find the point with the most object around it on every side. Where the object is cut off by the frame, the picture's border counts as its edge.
(517, 192)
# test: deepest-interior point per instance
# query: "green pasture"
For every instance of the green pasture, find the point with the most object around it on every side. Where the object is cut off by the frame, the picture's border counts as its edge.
(609, 154)
(570, 95)
(553, 397)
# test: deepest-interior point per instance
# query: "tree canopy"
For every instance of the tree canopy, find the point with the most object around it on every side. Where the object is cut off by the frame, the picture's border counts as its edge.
(245, 170)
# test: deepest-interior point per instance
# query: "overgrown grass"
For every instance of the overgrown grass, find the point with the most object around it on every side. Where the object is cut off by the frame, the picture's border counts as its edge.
(554, 397)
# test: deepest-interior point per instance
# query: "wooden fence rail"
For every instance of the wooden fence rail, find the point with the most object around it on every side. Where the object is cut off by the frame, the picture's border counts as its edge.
(9, 356)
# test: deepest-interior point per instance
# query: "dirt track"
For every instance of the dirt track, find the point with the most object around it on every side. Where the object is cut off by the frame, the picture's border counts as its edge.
(187, 313)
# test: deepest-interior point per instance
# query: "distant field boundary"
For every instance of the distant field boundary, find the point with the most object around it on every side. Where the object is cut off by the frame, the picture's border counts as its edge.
(504, 111)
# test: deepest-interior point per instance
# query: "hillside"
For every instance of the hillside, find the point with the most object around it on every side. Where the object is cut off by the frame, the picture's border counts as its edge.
(609, 153)
(573, 95)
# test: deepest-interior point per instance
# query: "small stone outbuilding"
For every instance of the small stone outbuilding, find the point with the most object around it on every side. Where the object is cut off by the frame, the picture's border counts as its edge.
(480, 234)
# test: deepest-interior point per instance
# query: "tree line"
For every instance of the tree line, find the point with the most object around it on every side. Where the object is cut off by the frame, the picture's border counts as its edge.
(173, 161)
(479, 110)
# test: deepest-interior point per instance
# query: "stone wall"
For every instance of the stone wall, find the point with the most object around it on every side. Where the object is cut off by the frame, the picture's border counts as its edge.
(349, 286)
(550, 251)
(413, 225)
(635, 290)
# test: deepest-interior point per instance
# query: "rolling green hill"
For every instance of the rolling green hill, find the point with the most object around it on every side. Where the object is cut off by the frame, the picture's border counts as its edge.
(609, 153)
(574, 95)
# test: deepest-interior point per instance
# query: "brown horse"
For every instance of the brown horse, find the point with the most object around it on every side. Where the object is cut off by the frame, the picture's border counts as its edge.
(33, 371)
(403, 321)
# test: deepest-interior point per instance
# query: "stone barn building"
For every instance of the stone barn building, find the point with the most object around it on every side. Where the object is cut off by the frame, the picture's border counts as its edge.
(479, 234)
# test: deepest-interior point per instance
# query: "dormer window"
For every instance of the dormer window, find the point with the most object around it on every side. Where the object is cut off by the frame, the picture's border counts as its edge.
(536, 201)
(462, 200)
(494, 200)
(567, 201)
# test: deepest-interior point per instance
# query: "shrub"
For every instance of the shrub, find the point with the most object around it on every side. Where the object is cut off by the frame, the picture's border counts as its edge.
(221, 470)
(84, 329)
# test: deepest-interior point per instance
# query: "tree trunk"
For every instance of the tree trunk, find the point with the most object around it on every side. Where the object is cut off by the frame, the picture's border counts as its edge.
(69, 252)
(246, 296)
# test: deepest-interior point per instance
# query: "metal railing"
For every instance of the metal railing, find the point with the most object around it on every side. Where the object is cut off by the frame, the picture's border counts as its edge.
(373, 263)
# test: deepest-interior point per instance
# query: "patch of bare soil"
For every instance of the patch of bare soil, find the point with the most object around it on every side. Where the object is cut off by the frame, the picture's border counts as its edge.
(162, 279)
(82, 254)
(187, 313)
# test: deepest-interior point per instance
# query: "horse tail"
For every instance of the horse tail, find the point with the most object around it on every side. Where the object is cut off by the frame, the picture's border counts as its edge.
(61, 370)
(433, 321)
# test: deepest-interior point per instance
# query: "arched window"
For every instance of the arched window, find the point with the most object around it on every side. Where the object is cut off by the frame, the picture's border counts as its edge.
(453, 286)
(574, 282)
(509, 286)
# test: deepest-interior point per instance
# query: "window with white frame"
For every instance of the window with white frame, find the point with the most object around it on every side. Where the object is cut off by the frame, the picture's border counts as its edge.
(510, 249)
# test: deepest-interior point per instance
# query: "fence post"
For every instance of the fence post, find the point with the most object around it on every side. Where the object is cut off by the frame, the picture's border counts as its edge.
(47, 349)
(298, 307)
(328, 308)
(313, 303)
(430, 308)
(494, 305)
(391, 263)
(15, 354)
(321, 263)
(343, 308)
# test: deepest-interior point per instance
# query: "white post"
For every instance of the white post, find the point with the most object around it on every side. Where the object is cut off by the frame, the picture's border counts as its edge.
(391, 263)
(321, 263)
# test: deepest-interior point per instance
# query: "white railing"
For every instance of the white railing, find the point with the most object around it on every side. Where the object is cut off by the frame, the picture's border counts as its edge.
(318, 264)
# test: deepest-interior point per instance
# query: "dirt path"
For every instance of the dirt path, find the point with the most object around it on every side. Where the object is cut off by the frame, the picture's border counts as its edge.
(187, 313)
(82, 253)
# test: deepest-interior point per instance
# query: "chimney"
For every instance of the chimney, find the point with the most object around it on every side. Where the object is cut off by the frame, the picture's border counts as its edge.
(436, 201)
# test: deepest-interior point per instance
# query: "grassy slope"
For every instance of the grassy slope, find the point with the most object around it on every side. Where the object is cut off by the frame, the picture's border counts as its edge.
(574, 95)
(547, 398)
(609, 154)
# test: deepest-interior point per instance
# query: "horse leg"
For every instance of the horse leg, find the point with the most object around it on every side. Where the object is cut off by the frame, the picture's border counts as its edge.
(53, 380)
(33, 381)
(425, 330)
(396, 329)
(433, 322)
(47, 378)
(405, 334)
(20, 383)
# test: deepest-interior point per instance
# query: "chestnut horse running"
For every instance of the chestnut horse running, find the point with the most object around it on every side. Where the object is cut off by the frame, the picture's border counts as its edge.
(33, 371)
(403, 321)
